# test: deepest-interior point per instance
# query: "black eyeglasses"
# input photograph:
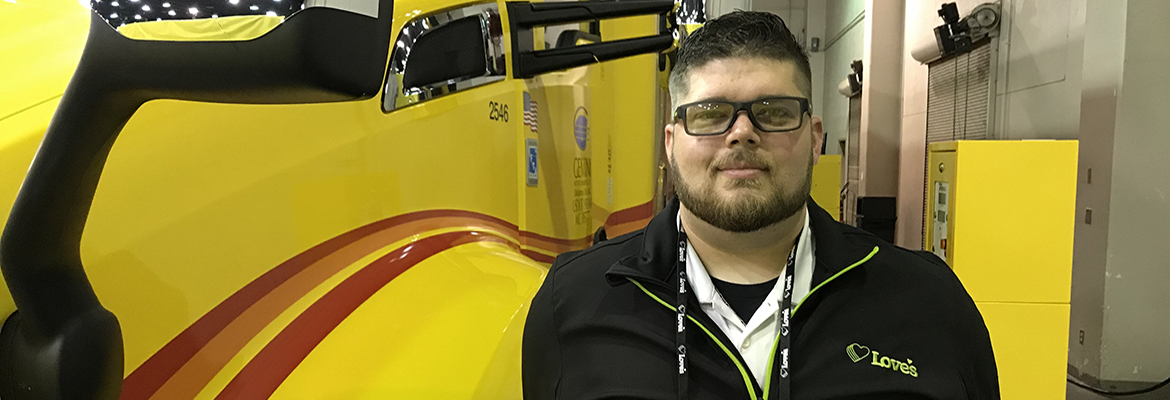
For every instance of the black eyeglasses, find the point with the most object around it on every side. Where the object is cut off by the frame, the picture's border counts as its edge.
(769, 114)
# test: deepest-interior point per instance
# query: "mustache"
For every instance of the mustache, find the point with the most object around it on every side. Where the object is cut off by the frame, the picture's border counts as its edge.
(741, 159)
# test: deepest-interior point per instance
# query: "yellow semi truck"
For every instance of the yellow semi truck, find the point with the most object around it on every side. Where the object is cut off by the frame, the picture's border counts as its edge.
(308, 199)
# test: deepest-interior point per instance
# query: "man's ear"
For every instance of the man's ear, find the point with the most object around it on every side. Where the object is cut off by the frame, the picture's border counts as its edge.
(818, 132)
(668, 141)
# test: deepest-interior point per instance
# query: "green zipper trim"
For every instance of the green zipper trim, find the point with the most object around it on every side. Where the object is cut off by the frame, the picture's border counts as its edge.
(746, 377)
(776, 343)
(831, 278)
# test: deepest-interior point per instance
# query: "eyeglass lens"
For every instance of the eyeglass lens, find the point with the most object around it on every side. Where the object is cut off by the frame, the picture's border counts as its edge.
(770, 115)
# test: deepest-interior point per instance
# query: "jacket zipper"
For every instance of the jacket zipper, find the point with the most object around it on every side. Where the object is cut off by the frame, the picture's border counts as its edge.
(742, 371)
(771, 358)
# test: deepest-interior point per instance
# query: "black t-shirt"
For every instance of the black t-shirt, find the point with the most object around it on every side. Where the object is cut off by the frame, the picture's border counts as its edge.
(744, 299)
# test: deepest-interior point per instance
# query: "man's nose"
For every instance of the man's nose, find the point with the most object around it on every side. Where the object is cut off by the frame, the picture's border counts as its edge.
(742, 132)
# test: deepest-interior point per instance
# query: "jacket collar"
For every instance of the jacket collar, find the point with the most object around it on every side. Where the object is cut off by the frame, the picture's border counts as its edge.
(655, 262)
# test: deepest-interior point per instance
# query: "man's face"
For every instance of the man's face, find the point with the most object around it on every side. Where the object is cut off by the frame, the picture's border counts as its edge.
(744, 179)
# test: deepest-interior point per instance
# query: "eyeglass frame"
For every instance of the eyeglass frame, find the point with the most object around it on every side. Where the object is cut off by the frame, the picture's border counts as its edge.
(805, 108)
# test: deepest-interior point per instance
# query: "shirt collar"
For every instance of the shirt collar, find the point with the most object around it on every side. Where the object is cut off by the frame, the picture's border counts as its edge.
(653, 263)
(700, 280)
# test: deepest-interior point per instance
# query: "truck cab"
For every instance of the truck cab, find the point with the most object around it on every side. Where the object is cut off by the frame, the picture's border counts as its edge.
(247, 199)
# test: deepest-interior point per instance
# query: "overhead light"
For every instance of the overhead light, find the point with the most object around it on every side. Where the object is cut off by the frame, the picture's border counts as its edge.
(145, 8)
(136, 16)
(113, 15)
(270, 13)
(193, 11)
(254, 8)
(171, 13)
(166, 5)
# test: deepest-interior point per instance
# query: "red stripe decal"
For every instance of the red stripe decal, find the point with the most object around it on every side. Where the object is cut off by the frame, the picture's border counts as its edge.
(538, 257)
(265, 372)
(152, 374)
(639, 212)
(155, 371)
(568, 243)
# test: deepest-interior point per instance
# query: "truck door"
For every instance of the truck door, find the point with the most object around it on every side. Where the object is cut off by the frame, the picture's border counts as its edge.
(571, 117)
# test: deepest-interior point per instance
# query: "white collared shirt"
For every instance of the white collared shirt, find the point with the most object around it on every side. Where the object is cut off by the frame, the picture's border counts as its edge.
(754, 339)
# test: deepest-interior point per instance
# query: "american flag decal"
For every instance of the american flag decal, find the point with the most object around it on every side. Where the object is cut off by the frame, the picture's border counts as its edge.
(529, 112)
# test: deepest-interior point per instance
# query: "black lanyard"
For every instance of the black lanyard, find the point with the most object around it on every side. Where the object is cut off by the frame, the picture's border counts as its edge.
(782, 349)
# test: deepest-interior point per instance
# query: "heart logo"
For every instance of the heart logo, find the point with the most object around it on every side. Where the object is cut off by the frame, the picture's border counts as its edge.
(857, 352)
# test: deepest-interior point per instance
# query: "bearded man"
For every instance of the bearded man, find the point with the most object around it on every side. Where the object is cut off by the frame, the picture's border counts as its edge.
(743, 288)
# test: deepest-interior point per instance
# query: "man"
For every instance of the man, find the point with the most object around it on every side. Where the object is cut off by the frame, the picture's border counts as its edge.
(777, 299)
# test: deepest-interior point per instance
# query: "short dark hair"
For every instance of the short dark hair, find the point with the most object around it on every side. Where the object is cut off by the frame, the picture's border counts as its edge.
(750, 34)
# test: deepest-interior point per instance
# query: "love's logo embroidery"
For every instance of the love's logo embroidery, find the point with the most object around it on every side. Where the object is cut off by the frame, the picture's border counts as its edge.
(857, 352)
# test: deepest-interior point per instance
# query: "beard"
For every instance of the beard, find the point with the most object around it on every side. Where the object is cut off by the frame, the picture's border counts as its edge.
(748, 212)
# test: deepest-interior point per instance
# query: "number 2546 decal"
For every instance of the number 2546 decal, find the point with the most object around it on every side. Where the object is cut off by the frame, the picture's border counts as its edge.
(499, 111)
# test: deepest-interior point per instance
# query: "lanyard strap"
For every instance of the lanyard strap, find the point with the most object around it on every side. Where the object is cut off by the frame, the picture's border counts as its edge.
(680, 307)
(785, 341)
(785, 384)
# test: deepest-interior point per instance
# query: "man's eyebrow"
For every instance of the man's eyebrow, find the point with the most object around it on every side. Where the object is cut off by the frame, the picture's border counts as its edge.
(726, 99)
(716, 98)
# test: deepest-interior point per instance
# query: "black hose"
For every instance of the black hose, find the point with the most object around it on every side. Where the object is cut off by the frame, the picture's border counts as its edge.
(1125, 393)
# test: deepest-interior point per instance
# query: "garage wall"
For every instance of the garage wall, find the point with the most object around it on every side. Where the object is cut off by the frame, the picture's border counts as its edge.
(794, 12)
(844, 22)
(1104, 52)
(1134, 345)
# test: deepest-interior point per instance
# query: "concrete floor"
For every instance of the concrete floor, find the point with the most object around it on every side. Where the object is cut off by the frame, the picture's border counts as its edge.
(1076, 393)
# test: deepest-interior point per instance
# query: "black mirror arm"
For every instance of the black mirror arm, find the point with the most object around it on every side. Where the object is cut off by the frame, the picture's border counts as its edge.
(62, 344)
(532, 63)
(528, 15)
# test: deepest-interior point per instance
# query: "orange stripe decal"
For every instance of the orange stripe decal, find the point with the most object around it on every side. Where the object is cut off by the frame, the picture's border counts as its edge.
(191, 378)
(184, 366)
(151, 375)
(629, 220)
(264, 373)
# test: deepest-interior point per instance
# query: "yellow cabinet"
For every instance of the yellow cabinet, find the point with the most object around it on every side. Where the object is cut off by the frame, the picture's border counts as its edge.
(826, 184)
(1002, 214)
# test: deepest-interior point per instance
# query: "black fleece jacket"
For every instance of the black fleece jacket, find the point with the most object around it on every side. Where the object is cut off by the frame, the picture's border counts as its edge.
(881, 322)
